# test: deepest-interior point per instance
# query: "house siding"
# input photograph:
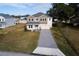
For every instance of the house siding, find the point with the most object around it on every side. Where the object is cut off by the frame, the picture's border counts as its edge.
(8, 22)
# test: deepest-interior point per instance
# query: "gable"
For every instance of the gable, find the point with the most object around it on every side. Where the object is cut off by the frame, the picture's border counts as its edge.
(44, 16)
(30, 17)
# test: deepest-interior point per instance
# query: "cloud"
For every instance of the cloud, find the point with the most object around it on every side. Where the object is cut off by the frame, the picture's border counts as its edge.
(40, 7)
(25, 5)
(24, 8)
(16, 5)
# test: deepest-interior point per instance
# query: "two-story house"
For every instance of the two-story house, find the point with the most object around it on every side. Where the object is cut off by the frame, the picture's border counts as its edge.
(39, 21)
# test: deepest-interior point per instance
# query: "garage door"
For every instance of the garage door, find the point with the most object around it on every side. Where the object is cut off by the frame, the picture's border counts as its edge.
(44, 26)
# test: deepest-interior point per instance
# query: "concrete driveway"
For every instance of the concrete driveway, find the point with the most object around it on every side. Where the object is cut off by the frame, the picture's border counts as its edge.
(47, 44)
(46, 39)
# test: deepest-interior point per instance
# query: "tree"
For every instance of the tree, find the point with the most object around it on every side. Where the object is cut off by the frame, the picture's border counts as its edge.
(76, 8)
(61, 11)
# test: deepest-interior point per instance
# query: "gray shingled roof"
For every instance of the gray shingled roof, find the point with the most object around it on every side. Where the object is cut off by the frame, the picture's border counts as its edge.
(39, 14)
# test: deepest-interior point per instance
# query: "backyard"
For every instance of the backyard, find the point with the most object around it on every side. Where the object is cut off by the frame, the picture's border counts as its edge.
(14, 38)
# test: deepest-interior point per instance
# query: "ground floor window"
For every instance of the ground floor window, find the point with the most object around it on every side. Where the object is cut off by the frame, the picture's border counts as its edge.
(36, 25)
(30, 26)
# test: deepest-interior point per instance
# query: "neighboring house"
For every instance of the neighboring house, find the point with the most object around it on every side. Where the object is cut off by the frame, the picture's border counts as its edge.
(6, 21)
(23, 20)
(39, 21)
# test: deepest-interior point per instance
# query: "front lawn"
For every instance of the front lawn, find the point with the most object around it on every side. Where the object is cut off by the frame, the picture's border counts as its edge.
(14, 38)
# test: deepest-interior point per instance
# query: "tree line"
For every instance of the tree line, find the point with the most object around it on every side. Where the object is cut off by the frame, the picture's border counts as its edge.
(64, 11)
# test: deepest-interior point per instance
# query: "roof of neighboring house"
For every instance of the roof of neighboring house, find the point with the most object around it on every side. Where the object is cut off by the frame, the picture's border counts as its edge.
(7, 17)
(1, 17)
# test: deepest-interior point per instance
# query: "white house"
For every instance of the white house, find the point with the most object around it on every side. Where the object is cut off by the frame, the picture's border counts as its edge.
(6, 21)
(39, 21)
(2, 20)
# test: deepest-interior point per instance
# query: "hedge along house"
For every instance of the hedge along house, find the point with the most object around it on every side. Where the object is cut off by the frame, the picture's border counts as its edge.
(39, 21)
(6, 21)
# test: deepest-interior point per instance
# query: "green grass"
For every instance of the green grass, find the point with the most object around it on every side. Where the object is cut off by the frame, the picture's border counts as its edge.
(16, 39)
(61, 42)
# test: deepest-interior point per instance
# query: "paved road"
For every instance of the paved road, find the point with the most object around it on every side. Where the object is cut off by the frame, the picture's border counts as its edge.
(7, 53)
(46, 39)
(47, 45)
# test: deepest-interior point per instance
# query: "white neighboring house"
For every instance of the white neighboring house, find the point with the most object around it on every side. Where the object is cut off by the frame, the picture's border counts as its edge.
(39, 21)
(21, 20)
(6, 21)
(2, 20)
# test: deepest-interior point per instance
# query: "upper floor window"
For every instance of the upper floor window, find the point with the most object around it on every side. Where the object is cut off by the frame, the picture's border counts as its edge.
(49, 19)
(37, 19)
(29, 19)
(32, 19)
(40, 19)
(0, 25)
(45, 19)
(0, 20)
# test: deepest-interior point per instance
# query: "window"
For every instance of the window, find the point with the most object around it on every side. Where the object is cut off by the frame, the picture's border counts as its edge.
(0, 20)
(40, 19)
(32, 19)
(0, 25)
(29, 19)
(30, 26)
(49, 19)
(37, 19)
(36, 25)
(45, 19)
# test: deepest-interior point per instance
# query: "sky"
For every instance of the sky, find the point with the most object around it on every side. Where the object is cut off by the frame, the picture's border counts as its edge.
(24, 8)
